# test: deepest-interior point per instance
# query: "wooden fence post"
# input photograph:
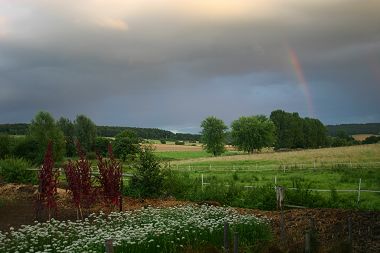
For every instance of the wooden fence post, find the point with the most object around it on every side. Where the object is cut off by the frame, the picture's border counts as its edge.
(226, 242)
(109, 246)
(236, 242)
(202, 183)
(360, 183)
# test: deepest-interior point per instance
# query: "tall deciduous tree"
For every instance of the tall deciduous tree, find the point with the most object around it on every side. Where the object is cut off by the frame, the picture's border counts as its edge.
(213, 135)
(253, 133)
(126, 145)
(67, 127)
(85, 132)
(42, 130)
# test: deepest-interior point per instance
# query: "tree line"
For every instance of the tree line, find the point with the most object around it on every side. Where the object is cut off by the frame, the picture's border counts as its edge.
(282, 130)
(112, 131)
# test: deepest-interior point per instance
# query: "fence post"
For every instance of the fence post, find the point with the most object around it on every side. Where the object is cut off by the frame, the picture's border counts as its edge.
(360, 183)
(275, 180)
(202, 182)
(236, 242)
(109, 246)
(226, 243)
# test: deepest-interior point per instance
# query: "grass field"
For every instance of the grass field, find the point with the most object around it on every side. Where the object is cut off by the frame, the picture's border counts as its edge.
(326, 169)
(181, 155)
(353, 154)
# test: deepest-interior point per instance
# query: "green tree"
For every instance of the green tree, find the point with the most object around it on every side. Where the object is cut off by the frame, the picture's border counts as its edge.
(85, 132)
(148, 178)
(67, 127)
(5, 145)
(213, 135)
(42, 130)
(126, 145)
(253, 133)
(289, 129)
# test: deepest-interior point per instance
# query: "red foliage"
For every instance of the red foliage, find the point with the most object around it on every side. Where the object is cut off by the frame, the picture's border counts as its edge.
(110, 178)
(48, 180)
(78, 177)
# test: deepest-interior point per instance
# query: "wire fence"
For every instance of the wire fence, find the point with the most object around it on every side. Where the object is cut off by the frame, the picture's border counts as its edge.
(273, 167)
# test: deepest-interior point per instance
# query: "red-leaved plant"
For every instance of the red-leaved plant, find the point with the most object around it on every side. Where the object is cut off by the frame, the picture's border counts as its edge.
(110, 178)
(48, 180)
(78, 176)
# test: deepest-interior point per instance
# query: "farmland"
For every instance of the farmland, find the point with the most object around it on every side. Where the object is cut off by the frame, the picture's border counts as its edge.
(235, 179)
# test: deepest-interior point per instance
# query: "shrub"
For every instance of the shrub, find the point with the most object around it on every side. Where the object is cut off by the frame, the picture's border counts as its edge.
(48, 180)
(14, 170)
(78, 176)
(179, 143)
(26, 148)
(5, 143)
(101, 146)
(110, 178)
(163, 141)
(148, 178)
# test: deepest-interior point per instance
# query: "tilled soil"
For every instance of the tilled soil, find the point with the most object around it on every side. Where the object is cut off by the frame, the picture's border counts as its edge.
(329, 228)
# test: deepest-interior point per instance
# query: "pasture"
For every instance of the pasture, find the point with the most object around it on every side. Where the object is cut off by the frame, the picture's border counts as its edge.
(328, 173)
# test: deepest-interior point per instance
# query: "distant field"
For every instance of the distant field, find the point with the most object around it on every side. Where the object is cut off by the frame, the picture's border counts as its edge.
(171, 147)
(353, 154)
(182, 155)
(362, 137)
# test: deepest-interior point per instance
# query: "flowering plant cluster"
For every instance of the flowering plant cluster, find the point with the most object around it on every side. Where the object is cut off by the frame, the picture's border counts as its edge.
(146, 230)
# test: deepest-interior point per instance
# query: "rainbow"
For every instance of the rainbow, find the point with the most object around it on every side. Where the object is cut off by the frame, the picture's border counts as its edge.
(301, 81)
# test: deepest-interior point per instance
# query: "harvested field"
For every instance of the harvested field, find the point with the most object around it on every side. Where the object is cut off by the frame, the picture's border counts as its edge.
(173, 147)
(360, 153)
(362, 137)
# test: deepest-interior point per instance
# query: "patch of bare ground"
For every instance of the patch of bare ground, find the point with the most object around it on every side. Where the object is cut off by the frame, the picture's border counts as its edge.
(330, 225)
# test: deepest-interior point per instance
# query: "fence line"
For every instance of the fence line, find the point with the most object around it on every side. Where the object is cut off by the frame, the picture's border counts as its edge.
(317, 190)
(272, 167)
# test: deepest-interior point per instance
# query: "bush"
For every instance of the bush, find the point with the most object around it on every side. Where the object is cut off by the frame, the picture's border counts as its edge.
(148, 178)
(5, 145)
(14, 170)
(179, 143)
(163, 141)
(26, 148)
(101, 146)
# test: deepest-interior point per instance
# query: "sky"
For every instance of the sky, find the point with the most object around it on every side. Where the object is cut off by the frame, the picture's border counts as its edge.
(171, 63)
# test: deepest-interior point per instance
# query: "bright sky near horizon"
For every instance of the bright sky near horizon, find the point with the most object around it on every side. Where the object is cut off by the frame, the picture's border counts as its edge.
(169, 63)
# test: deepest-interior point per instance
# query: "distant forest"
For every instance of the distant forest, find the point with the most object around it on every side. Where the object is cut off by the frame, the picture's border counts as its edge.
(351, 129)
(160, 134)
(112, 131)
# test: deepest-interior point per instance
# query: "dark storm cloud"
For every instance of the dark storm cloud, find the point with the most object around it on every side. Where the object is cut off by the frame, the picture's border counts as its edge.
(170, 64)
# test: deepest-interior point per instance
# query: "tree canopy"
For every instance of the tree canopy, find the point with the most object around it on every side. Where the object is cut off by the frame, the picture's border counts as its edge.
(42, 130)
(213, 135)
(85, 132)
(126, 145)
(253, 133)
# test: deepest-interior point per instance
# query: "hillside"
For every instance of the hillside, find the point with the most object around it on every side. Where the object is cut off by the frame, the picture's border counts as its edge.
(351, 129)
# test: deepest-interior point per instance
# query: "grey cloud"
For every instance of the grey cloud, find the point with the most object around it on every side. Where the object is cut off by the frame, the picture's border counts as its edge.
(168, 70)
